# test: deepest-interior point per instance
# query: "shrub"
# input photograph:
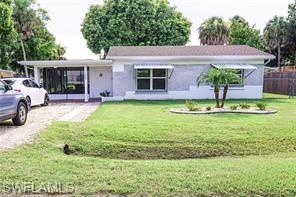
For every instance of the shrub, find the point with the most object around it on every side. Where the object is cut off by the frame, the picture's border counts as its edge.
(245, 106)
(191, 105)
(209, 108)
(106, 93)
(234, 107)
(261, 106)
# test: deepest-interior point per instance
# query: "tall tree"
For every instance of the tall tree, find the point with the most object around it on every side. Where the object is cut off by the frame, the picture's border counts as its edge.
(275, 35)
(213, 31)
(242, 34)
(292, 29)
(134, 22)
(36, 42)
(8, 34)
(25, 19)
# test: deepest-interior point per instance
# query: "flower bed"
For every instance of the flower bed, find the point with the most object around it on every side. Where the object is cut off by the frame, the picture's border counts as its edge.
(203, 110)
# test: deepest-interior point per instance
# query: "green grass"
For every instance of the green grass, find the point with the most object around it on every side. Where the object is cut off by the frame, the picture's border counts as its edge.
(139, 147)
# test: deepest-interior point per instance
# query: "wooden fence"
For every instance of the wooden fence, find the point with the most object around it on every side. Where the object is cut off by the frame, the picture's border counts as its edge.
(280, 83)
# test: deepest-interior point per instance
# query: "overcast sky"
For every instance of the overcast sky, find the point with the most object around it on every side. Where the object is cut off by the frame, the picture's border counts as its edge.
(67, 16)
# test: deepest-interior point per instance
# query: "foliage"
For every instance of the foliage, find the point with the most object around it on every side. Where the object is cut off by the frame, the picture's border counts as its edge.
(234, 107)
(261, 106)
(228, 76)
(36, 42)
(242, 34)
(275, 35)
(130, 22)
(292, 29)
(245, 106)
(219, 77)
(8, 34)
(213, 31)
(212, 76)
(209, 108)
(106, 93)
(192, 105)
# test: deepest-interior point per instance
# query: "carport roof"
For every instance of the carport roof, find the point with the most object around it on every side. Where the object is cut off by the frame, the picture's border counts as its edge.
(67, 63)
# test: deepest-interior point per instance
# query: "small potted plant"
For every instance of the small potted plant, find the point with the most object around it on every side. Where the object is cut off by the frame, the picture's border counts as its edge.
(106, 95)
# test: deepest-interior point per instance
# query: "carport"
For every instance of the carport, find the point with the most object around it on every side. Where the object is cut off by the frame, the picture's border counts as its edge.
(70, 79)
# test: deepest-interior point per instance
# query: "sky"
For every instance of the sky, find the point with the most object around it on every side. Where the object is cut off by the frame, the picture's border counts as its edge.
(67, 16)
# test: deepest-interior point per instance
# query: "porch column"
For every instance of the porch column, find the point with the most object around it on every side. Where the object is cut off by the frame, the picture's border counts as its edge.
(85, 84)
(37, 75)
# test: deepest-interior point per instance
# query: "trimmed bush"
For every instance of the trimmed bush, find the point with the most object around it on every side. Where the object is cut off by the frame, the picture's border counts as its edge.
(245, 106)
(261, 106)
(192, 105)
(234, 107)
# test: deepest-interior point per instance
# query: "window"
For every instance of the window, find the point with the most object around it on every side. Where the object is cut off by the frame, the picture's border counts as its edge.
(151, 79)
(240, 83)
(2, 86)
(34, 85)
(64, 80)
(9, 82)
(26, 83)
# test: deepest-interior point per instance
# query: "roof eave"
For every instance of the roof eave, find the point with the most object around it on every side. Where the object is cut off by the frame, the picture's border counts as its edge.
(66, 63)
(233, 57)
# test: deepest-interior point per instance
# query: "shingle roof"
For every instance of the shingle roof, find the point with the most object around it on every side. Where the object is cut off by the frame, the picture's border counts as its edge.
(217, 50)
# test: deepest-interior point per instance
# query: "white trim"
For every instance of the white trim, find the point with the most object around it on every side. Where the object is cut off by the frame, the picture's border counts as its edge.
(153, 66)
(85, 84)
(37, 75)
(66, 63)
(235, 66)
(194, 92)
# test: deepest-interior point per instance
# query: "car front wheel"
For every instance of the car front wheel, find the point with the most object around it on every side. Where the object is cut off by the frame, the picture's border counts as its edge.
(46, 100)
(21, 115)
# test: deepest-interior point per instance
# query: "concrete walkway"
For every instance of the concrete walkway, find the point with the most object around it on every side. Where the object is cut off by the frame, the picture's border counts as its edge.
(41, 117)
(80, 113)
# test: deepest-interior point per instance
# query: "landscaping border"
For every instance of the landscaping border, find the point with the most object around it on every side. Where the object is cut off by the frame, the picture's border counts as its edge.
(216, 111)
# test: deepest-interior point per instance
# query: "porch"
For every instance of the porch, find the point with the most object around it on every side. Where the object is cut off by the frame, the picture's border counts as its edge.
(73, 79)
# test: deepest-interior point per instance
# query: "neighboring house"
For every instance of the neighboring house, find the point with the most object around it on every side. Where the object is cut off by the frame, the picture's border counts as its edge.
(156, 72)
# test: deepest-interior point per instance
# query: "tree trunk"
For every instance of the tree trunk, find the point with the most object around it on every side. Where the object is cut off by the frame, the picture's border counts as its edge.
(224, 95)
(279, 55)
(217, 97)
(24, 57)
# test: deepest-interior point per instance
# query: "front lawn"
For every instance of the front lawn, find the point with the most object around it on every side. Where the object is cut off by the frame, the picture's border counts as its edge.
(139, 147)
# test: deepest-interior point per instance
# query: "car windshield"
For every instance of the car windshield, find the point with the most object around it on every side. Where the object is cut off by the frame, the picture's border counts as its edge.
(9, 81)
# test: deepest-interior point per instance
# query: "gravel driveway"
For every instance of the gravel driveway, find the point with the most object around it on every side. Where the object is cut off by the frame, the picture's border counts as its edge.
(38, 119)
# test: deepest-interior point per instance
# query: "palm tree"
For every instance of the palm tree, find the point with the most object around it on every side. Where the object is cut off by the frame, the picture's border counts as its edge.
(25, 22)
(238, 19)
(228, 76)
(213, 31)
(212, 76)
(275, 35)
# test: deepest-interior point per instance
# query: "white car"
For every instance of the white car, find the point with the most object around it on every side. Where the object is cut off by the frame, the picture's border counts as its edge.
(35, 94)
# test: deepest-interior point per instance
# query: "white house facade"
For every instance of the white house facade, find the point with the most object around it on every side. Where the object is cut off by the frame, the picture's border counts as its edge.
(152, 73)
